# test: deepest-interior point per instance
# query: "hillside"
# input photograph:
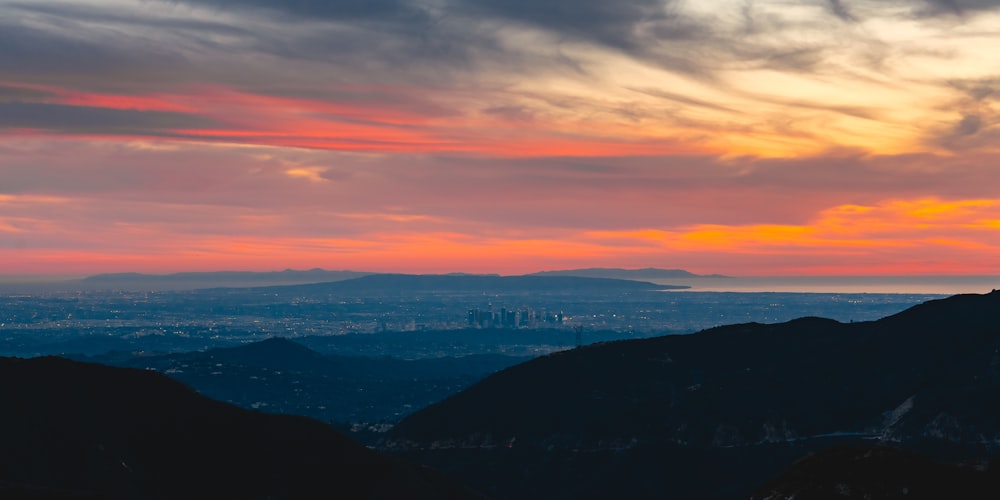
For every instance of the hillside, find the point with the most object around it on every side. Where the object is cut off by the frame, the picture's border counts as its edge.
(757, 389)
(850, 472)
(278, 375)
(79, 430)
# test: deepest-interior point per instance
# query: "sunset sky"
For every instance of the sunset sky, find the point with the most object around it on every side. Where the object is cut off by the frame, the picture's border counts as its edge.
(750, 137)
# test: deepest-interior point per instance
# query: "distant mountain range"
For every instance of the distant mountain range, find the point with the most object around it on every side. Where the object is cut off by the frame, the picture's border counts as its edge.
(402, 284)
(649, 273)
(79, 430)
(241, 279)
(740, 401)
(220, 279)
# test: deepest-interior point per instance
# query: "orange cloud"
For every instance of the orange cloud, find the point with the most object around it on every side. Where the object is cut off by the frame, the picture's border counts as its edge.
(903, 235)
(41, 234)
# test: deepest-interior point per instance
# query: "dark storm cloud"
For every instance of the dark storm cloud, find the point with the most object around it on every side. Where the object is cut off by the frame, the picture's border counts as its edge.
(85, 119)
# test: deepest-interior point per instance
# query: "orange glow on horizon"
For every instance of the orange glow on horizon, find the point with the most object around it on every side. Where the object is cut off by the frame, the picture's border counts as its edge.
(861, 239)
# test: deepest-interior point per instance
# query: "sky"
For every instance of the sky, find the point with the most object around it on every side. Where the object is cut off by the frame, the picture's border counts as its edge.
(756, 137)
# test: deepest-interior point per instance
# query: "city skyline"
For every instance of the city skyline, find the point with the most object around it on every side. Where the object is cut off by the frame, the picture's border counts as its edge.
(758, 138)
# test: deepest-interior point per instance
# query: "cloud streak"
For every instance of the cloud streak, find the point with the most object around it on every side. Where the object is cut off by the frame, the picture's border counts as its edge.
(93, 120)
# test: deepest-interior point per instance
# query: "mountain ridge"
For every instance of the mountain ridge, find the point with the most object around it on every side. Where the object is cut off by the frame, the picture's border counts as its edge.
(280, 375)
(645, 273)
(795, 385)
(245, 279)
(409, 283)
(107, 432)
(215, 279)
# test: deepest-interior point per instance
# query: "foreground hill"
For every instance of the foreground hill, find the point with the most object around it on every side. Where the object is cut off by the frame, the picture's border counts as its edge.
(739, 400)
(79, 430)
(851, 472)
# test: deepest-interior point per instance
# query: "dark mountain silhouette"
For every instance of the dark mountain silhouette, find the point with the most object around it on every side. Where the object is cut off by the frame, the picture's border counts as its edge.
(647, 273)
(282, 376)
(366, 282)
(80, 430)
(880, 473)
(404, 284)
(763, 392)
(196, 280)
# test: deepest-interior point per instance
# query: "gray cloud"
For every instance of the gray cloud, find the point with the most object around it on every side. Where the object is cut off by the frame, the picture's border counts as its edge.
(635, 26)
(969, 125)
(61, 53)
(21, 94)
(511, 113)
(611, 23)
(655, 31)
(957, 7)
(978, 90)
(25, 51)
(382, 10)
(946, 5)
(462, 33)
(840, 10)
(96, 14)
(683, 99)
(972, 131)
(975, 126)
(62, 118)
